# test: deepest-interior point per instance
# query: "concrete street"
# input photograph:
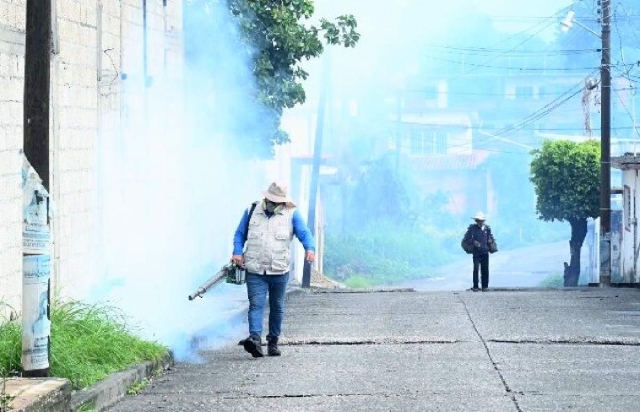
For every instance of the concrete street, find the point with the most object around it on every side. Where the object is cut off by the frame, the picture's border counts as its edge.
(552, 350)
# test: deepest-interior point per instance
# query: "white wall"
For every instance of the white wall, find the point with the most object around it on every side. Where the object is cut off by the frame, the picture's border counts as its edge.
(12, 27)
(631, 237)
(97, 40)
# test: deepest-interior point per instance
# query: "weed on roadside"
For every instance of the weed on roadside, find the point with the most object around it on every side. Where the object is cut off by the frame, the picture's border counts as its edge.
(138, 386)
(88, 343)
(9, 354)
(88, 407)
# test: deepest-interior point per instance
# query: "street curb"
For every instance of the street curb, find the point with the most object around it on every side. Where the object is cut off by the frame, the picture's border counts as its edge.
(298, 290)
(43, 395)
(112, 389)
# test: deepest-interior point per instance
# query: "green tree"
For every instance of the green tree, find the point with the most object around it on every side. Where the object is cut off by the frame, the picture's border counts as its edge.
(381, 193)
(278, 35)
(566, 176)
(272, 38)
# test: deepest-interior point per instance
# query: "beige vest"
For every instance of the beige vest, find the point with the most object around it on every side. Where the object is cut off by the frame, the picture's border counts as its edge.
(268, 242)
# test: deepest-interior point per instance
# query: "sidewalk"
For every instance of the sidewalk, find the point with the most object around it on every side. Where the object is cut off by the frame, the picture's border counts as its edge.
(553, 350)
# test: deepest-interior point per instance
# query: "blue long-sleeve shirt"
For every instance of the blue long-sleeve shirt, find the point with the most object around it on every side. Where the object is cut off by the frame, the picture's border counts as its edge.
(300, 230)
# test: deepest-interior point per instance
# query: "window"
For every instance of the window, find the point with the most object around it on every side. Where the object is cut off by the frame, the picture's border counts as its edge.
(524, 92)
(428, 141)
(431, 93)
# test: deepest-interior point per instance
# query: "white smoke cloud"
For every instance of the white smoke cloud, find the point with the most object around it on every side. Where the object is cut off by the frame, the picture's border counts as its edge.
(172, 191)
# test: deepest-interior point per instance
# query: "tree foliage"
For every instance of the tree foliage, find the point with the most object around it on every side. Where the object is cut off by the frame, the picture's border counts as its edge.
(566, 176)
(380, 193)
(279, 37)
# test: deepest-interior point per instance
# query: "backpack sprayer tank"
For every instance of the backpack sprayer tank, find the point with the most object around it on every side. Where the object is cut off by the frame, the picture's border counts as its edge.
(230, 273)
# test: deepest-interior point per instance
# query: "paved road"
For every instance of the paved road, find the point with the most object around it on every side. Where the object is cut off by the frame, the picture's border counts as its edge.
(517, 351)
(521, 267)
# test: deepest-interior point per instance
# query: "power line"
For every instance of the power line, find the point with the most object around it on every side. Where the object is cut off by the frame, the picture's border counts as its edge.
(504, 94)
(533, 129)
(551, 106)
(628, 112)
(534, 27)
(482, 50)
(536, 69)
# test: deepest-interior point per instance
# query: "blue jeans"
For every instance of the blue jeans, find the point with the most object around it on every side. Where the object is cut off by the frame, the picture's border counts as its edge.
(257, 288)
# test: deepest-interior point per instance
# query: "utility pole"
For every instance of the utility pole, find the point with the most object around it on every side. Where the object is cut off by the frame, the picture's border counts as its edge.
(398, 128)
(315, 168)
(605, 147)
(36, 279)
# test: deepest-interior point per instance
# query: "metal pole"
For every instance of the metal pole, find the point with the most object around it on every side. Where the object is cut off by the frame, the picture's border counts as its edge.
(36, 282)
(315, 169)
(398, 128)
(605, 146)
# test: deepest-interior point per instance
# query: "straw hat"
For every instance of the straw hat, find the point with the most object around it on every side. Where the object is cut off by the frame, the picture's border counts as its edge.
(480, 216)
(277, 193)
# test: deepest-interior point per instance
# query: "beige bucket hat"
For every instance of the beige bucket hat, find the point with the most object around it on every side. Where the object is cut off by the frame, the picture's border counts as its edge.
(479, 216)
(277, 193)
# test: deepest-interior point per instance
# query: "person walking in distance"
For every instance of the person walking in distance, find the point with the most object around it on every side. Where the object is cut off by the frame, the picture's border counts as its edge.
(479, 241)
(261, 245)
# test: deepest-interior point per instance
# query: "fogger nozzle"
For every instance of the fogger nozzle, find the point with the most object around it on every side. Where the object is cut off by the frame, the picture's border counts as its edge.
(229, 272)
(198, 292)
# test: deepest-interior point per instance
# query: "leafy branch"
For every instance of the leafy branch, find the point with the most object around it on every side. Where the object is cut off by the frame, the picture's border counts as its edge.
(277, 35)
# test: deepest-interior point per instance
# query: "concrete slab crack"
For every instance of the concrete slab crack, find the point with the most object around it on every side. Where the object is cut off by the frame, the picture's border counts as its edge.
(570, 341)
(354, 342)
(310, 395)
(495, 365)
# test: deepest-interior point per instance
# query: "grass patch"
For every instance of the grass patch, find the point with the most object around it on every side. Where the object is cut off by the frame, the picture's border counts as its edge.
(10, 348)
(9, 352)
(385, 253)
(554, 281)
(358, 282)
(88, 343)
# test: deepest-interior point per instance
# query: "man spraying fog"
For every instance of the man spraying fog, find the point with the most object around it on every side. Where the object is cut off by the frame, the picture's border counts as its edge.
(267, 228)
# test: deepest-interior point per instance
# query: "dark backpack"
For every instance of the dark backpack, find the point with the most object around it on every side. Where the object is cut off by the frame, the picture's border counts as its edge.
(246, 229)
(467, 241)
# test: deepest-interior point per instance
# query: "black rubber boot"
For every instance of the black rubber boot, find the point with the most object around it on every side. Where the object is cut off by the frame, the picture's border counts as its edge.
(253, 345)
(272, 347)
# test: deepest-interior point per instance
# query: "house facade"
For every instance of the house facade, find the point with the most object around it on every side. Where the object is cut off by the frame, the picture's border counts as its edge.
(451, 128)
(626, 234)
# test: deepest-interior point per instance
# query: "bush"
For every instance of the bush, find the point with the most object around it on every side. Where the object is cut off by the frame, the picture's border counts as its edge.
(554, 281)
(88, 343)
(358, 282)
(385, 253)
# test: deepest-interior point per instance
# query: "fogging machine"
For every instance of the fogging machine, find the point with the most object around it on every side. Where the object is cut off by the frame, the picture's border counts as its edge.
(230, 273)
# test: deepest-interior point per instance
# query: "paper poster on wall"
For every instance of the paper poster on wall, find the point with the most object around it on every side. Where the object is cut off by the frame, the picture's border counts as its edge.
(36, 239)
(35, 213)
(36, 325)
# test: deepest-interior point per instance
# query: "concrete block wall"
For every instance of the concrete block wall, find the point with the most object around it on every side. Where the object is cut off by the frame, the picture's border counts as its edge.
(74, 136)
(95, 43)
(12, 36)
(110, 51)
